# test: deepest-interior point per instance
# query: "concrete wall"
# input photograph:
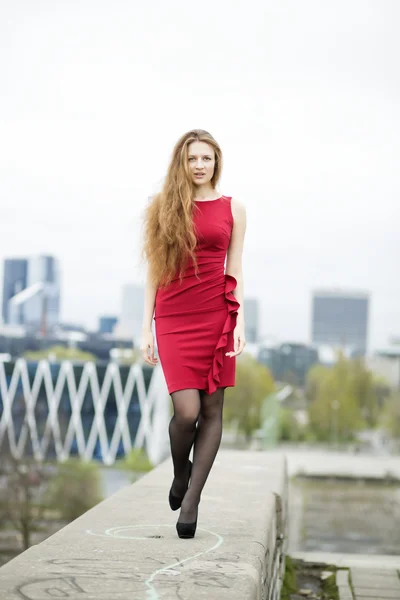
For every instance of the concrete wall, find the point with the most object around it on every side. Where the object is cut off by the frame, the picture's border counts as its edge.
(127, 546)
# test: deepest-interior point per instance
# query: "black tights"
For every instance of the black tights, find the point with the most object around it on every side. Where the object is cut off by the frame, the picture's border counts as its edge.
(197, 421)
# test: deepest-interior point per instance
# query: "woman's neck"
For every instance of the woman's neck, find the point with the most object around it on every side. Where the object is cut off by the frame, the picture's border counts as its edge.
(205, 193)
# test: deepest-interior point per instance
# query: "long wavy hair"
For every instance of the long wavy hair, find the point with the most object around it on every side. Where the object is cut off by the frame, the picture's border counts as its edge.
(169, 235)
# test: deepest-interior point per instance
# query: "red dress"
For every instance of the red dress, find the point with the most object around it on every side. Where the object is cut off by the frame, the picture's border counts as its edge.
(195, 319)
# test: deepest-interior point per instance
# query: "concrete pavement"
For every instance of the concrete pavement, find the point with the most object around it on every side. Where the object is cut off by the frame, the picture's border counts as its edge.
(127, 547)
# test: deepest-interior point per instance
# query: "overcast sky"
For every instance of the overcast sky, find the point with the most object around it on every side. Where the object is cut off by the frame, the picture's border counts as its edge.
(303, 97)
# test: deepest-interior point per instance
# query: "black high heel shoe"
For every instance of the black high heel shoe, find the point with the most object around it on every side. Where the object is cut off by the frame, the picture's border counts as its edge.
(187, 530)
(176, 501)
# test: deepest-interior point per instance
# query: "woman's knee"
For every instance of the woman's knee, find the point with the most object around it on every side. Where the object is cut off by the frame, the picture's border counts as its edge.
(186, 417)
(186, 405)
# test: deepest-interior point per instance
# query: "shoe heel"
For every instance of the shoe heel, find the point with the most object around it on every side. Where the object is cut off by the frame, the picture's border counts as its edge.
(186, 530)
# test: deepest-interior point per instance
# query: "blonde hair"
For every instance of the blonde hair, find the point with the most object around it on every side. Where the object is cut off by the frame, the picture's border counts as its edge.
(169, 236)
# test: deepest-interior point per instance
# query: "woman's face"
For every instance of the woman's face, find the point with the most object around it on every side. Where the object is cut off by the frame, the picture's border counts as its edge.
(201, 158)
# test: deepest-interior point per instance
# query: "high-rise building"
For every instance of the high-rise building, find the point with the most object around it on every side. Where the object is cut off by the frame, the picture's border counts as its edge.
(34, 300)
(107, 324)
(14, 281)
(252, 320)
(340, 320)
(131, 318)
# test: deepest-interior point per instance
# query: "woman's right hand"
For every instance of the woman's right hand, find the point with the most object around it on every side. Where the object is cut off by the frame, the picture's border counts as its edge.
(146, 345)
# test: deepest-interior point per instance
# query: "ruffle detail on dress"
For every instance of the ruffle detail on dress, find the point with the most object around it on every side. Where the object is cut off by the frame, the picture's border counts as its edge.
(213, 378)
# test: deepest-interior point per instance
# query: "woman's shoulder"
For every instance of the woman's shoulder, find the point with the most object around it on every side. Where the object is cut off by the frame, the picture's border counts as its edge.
(238, 209)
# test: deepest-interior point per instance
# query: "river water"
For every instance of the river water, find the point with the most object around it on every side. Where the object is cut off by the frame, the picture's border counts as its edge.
(353, 516)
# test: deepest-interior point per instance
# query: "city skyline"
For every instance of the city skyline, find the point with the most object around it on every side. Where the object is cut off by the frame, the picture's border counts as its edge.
(328, 325)
(31, 292)
(303, 99)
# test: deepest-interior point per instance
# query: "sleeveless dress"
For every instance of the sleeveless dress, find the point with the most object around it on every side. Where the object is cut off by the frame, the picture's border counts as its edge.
(195, 318)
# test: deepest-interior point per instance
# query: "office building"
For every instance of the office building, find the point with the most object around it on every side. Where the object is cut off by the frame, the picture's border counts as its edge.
(131, 318)
(107, 324)
(31, 292)
(252, 320)
(14, 281)
(289, 362)
(340, 320)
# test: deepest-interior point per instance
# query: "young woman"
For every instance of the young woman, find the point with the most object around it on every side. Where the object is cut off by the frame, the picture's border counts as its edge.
(190, 231)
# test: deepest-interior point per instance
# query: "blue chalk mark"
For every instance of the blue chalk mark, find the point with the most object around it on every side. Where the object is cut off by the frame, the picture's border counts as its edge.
(152, 593)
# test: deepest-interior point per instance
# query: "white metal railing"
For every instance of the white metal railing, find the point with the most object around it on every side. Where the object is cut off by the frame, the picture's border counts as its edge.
(152, 432)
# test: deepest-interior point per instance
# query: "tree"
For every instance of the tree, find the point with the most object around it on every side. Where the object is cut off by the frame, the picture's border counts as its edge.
(315, 376)
(243, 402)
(363, 385)
(342, 399)
(75, 489)
(290, 429)
(21, 501)
(137, 461)
(28, 489)
(390, 418)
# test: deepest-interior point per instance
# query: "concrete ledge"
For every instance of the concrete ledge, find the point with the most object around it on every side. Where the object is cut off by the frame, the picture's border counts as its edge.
(362, 561)
(127, 546)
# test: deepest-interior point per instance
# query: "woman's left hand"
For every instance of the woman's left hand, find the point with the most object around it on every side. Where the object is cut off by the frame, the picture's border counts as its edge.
(239, 342)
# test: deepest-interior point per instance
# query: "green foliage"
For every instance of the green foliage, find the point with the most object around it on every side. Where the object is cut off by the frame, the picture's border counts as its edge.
(362, 386)
(22, 484)
(342, 399)
(244, 401)
(75, 488)
(315, 375)
(137, 461)
(60, 353)
(330, 588)
(302, 574)
(290, 429)
(390, 418)
(289, 585)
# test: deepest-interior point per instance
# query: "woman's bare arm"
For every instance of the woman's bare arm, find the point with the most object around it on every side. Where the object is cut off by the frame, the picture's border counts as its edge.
(147, 342)
(149, 303)
(234, 268)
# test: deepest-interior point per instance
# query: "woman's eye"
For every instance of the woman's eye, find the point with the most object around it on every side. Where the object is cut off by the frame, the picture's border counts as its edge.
(192, 158)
